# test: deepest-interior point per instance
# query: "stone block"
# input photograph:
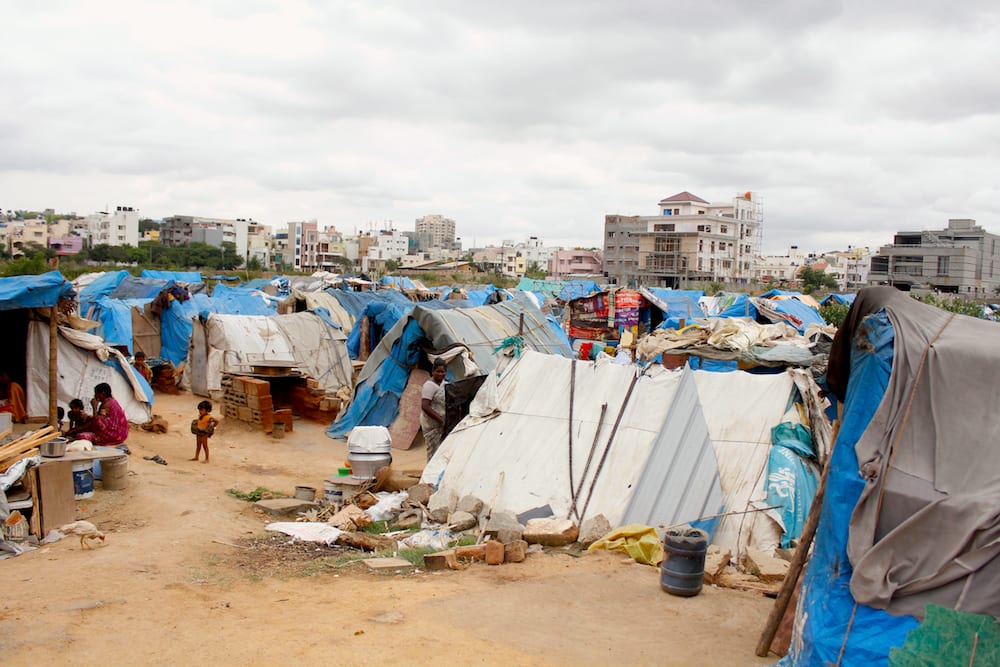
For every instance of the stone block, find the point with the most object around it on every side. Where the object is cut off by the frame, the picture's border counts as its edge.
(387, 564)
(504, 527)
(283, 506)
(470, 504)
(515, 552)
(551, 532)
(474, 552)
(593, 529)
(764, 566)
(442, 560)
(244, 414)
(411, 518)
(716, 561)
(420, 493)
(459, 521)
(494, 553)
(441, 504)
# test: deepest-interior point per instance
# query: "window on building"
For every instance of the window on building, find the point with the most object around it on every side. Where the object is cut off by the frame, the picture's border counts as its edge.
(705, 228)
(677, 211)
(713, 247)
(723, 229)
(943, 265)
(666, 227)
(666, 211)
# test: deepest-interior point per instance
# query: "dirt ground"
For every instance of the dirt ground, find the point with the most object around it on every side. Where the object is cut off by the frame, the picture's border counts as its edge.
(175, 582)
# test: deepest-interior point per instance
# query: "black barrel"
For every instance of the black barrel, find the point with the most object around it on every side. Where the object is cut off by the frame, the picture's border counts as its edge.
(683, 567)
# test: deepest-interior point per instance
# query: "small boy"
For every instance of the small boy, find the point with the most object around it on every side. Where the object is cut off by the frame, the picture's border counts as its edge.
(203, 428)
(78, 419)
(139, 363)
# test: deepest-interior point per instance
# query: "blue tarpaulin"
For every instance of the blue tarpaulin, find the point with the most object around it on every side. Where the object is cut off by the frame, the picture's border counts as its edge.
(115, 316)
(826, 607)
(239, 301)
(843, 299)
(178, 276)
(139, 288)
(566, 290)
(734, 305)
(674, 304)
(41, 291)
(791, 477)
(354, 303)
(399, 282)
(802, 314)
(103, 285)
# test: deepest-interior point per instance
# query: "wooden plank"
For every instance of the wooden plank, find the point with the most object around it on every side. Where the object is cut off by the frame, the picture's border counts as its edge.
(145, 331)
(55, 491)
(31, 484)
(407, 424)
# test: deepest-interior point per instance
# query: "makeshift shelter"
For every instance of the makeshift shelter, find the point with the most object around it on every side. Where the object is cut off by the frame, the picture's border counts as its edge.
(18, 296)
(237, 344)
(909, 515)
(479, 331)
(190, 277)
(653, 464)
(85, 360)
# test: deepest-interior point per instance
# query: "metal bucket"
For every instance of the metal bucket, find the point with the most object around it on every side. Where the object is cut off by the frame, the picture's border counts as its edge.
(305, 493)
(114, 473)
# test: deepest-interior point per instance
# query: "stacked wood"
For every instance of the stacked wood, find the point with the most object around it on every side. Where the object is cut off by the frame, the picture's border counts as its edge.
(26, 446)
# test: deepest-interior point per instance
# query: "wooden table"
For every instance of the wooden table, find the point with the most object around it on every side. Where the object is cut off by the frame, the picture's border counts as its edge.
(54, 500)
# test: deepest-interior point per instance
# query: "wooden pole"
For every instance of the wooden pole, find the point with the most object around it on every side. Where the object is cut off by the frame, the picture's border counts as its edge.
(53, 360)
(798, 560)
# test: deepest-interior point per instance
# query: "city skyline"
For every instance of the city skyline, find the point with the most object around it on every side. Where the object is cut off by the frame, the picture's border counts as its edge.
(852, 121)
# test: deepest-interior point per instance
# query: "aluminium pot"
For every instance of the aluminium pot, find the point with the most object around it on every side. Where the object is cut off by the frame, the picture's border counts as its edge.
(54, 448)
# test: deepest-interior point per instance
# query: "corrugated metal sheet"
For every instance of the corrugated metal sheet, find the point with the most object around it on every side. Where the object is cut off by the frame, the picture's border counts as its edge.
(680, 481)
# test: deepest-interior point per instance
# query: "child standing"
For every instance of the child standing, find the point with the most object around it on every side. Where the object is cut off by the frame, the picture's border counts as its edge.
(203, 428)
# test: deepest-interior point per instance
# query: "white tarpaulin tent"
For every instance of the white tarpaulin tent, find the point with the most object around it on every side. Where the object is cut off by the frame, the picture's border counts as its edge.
(82, 358)
(659, 470)
(236, 343)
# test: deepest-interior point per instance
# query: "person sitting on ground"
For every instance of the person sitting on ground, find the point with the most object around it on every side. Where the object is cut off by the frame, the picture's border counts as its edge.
(139, 363)
(12, 398)
(109, 425)
(78, 419)
(432, 407)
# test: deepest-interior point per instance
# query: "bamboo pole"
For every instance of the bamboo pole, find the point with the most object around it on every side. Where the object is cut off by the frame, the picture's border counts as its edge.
(53, 376)
(798, 559)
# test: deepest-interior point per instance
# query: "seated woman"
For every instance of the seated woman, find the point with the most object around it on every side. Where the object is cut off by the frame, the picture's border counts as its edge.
(12, 398)
(109, 425)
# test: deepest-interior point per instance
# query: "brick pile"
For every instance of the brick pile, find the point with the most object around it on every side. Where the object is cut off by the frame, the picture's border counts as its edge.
(249, 399)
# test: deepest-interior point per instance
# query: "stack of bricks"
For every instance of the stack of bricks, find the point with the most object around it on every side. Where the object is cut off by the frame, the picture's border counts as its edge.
(312, 402)
(249, 399)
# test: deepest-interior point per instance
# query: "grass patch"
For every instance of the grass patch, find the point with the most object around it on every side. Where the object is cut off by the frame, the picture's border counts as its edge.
(466, 540)
(260, 493)
(416, 555)
(376, 527)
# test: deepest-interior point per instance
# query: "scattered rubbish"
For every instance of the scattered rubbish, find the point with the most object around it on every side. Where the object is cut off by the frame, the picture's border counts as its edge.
(307, 532)
(260, 493)
(388, 505)
(157, 459)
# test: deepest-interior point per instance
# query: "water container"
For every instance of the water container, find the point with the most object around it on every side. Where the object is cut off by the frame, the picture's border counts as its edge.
(683, 567)
(368, 450)
(115, 473)
(83, 479)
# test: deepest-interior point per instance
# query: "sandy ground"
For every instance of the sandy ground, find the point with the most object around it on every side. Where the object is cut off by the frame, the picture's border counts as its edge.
(168, 587)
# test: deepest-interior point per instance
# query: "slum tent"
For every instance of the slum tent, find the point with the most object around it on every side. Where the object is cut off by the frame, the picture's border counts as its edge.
(728, 304)
(842, 299)
(95, 286)
(675, 306)
(565, 290)
(909, 517)
(479, 331)
(19, 296)
(380, 316)
(307, 342)
(799, 310)
(189, 277)
(85, 361)
(653, 463)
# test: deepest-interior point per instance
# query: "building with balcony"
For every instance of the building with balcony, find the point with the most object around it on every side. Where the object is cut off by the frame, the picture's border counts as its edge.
(962, 259)
(181, 230)
(689, 241)
(573, 263)
(434, 231)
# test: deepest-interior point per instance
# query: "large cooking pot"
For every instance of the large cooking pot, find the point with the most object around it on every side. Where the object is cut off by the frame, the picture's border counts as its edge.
(54, 448)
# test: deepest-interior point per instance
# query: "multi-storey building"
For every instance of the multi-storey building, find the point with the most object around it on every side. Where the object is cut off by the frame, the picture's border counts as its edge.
(962, 259)
(434, 231)
(303, 239)
(577, 262)
(259, 243)
(690, 241)
(179, 230)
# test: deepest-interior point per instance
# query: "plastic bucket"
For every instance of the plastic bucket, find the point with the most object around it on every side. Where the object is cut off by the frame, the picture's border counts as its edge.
(683, 569)
(115, 473)
(83, 479)
(333, 493)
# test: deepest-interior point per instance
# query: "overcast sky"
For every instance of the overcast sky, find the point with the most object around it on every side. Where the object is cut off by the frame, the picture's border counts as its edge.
(514, 118)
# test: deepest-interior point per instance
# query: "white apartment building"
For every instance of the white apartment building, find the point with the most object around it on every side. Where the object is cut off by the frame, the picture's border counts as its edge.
(118, 227)
(691, 240)
(259, 243)
(434, 231)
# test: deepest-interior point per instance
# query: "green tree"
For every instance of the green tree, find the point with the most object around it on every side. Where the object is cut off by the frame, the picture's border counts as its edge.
(535, 272)
(254, 264)
(391, 265)
(147, 224)
(812, 280)
(834, 313)
(954, 305)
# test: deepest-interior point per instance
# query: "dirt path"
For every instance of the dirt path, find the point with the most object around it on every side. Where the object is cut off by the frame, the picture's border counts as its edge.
(163, 590)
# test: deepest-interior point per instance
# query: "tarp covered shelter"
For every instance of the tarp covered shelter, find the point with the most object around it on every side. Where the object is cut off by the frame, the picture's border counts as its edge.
(659, 469)
(480, 330)
(910, 512)
(307, 342)
(85, 360)
(18, 294)
(177, 276)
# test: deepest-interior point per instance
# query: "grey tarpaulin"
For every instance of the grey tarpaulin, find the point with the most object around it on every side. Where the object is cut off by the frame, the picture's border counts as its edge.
(927, 526)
